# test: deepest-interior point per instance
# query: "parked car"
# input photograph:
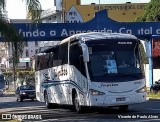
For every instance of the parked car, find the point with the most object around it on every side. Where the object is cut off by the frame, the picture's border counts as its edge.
(25, 92)
(155, 87)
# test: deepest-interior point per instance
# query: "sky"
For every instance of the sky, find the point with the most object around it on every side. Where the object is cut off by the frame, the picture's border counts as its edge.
(17, 10)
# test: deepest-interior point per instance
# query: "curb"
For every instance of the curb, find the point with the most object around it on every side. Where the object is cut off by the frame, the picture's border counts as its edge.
(9, 92)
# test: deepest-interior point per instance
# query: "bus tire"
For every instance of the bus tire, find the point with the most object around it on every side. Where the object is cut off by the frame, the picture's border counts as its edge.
(77, 106)
(123, 108)
(48, 105)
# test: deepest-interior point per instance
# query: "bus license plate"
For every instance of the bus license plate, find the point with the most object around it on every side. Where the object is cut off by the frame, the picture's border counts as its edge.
(120, 99)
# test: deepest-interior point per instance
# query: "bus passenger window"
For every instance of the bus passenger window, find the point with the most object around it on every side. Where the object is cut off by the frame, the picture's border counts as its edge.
(42, 63)
(55, 57)
(63, 53)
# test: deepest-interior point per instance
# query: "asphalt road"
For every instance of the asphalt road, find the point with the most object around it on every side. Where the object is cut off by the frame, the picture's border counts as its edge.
(36, 111)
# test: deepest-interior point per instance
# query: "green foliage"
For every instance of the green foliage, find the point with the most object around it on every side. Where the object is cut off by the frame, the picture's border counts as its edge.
(152, 12)
(9, 32)
(12, 37)
(154, 95)
(7, 74)
(34, 9)
(25, 73)
(2, 4)
(27, 77)
(20, 74)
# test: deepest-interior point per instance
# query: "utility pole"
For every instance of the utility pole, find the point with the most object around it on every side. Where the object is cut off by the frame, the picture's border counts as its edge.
(14, 66)
(99, 5)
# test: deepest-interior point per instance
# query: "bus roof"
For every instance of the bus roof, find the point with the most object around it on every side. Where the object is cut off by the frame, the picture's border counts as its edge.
(91, 36)
(98, 35)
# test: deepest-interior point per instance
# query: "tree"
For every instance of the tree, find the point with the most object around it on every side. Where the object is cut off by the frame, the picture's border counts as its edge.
(152, 12)
(10, 34)
(8, 31)
(33, 7)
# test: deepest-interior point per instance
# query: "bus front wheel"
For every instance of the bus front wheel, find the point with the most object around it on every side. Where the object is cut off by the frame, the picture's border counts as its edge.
(123, 107)
(77, 105)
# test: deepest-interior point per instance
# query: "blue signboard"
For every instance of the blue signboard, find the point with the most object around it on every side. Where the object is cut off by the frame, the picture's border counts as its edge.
(101, 23)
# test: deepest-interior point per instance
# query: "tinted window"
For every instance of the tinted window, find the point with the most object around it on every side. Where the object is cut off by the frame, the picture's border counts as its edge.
(63, 53)
(56, 61)
(76, 58)
(119, 62)
(52, 57)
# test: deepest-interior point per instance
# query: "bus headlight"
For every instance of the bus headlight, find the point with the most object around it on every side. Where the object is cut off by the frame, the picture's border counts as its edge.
(95, 92)
(143, 89)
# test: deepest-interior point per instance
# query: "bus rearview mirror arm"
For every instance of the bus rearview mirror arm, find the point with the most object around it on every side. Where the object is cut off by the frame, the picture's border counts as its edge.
(147, 49)
(85, 52)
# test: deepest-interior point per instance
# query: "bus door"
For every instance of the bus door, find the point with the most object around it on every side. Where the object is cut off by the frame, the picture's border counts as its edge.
(76, 61)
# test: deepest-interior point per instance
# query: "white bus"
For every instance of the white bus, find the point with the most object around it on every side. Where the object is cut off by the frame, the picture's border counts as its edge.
(91, 70)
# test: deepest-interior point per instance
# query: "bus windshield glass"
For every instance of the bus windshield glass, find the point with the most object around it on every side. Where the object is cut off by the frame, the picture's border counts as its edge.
(114, 60)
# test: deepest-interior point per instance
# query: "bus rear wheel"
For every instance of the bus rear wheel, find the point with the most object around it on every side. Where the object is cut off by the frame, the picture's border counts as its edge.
(49, 105)
(123, 108)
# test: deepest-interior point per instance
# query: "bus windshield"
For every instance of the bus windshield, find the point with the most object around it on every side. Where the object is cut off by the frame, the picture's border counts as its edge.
(116, 61)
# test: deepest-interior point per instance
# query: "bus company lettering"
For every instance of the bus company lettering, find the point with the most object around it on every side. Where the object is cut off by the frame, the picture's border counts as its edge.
(108, 85)
(124, 42)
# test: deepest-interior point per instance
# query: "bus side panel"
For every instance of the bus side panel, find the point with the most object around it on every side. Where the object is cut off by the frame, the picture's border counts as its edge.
(61, 91)
(64, 79)
(58, 90)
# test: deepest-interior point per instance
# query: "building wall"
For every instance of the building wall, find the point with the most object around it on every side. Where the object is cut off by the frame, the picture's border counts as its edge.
(58, 4)
(3, 55)
(119, 12)
(29, 51)
(55, 18)
(51, 15)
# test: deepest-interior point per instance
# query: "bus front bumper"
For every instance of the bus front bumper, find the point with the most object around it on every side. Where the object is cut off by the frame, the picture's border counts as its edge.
(117, 100)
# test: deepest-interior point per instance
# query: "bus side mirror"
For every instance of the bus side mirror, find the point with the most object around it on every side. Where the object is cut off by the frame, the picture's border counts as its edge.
(85, 52)
(146, 46)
